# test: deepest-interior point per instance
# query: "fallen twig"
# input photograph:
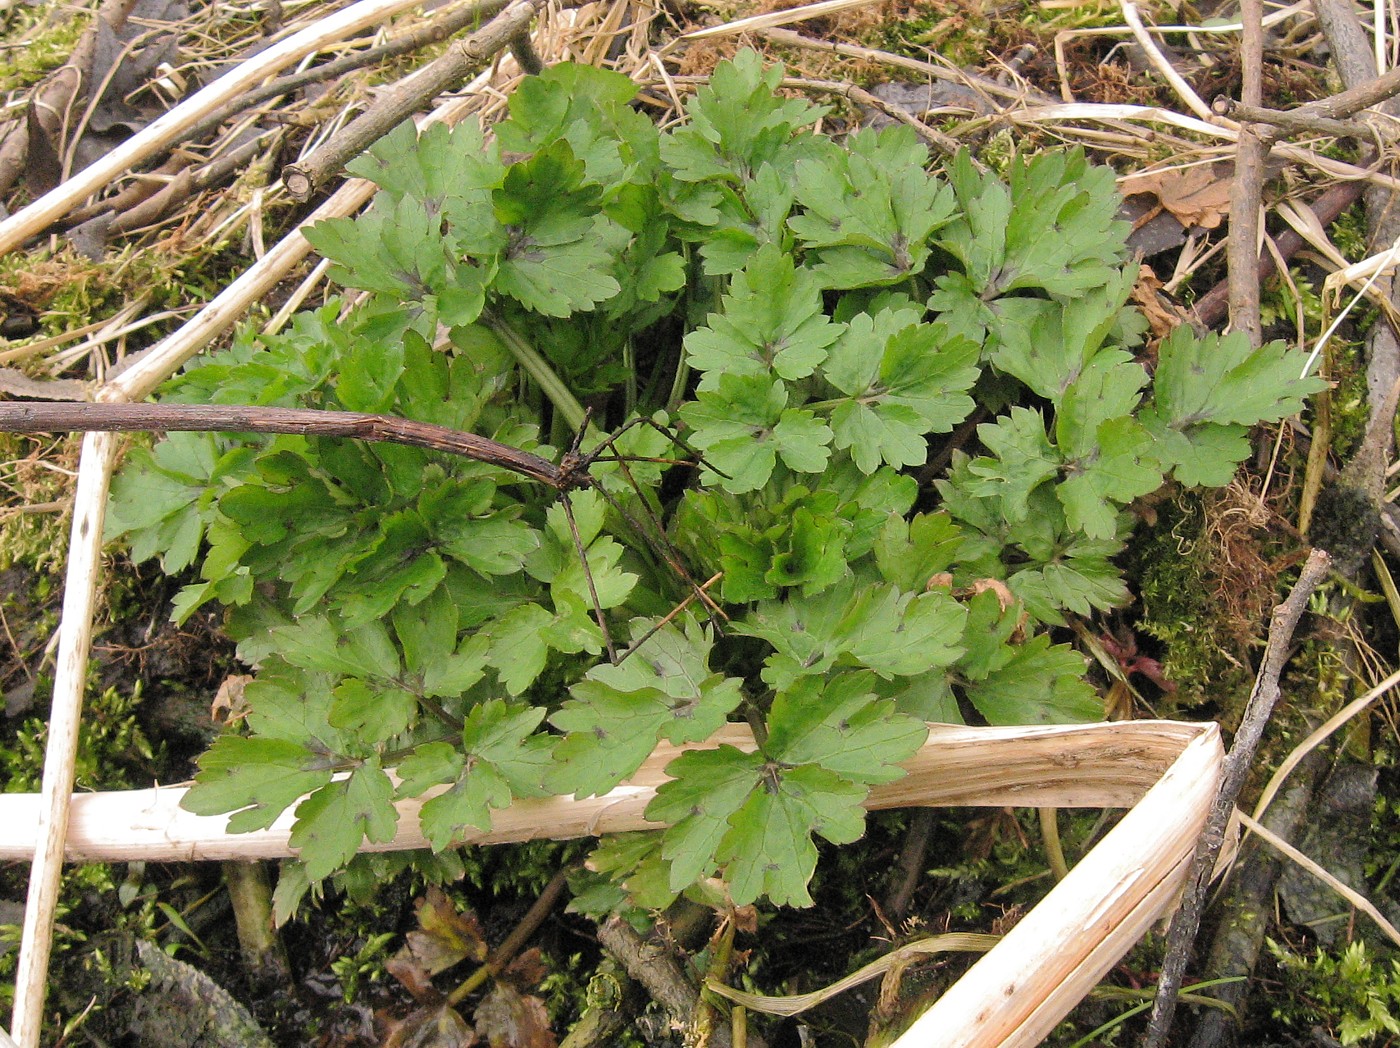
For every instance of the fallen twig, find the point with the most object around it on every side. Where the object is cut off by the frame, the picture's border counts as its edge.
(1246, 189)
(303, 178)
(1299, 120)
(1210, 308)
(1187, 919)
(171, 127)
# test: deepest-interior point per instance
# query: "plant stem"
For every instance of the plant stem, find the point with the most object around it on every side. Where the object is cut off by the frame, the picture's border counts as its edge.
(538, 369)
(510, 946)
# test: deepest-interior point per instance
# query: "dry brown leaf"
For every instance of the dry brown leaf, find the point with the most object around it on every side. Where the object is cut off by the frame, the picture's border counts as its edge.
(509, 1019)
(437, 1026)
(1197, 198)
(444, 937)
(229, 705)
(1150, 298)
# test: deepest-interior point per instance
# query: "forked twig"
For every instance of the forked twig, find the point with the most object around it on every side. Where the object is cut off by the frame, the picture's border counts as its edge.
(569, 475)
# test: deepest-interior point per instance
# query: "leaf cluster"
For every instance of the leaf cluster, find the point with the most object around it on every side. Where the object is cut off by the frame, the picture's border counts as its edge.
(818, 317)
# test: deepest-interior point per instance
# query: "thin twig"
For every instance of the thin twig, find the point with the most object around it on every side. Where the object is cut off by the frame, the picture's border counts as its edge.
(1246, 190)
(173, 126)
(436, 31)
(1211, 308)
(1299, 120)
(1263, 697)
(945, 144)
(220, 418)
(303, 178)
(503, 954)
(986, 85)
(1355, 99)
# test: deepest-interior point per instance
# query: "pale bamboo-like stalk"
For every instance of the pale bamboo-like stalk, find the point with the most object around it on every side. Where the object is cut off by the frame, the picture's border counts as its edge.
(1014, 996)
(1068, 766)
(60, 752)
(169, 128)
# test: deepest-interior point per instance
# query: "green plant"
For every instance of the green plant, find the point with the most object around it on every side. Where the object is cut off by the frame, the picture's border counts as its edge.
(1356, 995)
(809, 313)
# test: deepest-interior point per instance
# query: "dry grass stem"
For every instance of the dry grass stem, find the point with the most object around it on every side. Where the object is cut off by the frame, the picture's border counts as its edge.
(768, 20)
(171, 127)
(1348, 893)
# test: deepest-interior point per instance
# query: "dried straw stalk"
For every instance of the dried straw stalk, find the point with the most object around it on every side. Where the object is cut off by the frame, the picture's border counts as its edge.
(1090, 766)
(53, 205)
(1013, 996)
(1016, 994)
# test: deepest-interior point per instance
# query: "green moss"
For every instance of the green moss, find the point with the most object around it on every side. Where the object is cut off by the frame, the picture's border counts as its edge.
(55, 30)
(111, 746)
(1354, 994)
(1171, 562)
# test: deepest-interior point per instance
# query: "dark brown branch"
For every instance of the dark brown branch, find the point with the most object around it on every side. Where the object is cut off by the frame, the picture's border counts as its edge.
(1293, 120)
(1210, 309)
(302, 179)
(127, 418)
(1187, 919)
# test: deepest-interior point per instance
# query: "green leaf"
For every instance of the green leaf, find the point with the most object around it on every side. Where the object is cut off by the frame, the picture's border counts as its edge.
(394, 248)
(588, 108)
(899, 634)
(911, 552)
(257, 779)
(737, 123)
(770, 323)
(163, 499)
(706, 787)
(432, 657)
(903, 380)
(518, 648)
(1111, 457)
(869, 210)
(609, 734)
(755, 814)
(892, 633)
(745, 425)
(1123, 467)
(333, 822)
(770, 852)
(1054, 227)
(1079, 579)
(1047, 345)
(1222, 380)
(1024, 460)
(435, 165)
(316, 642)
(557, 279)
(1039, 684)
(801, 441)
(615, 716)
(1204, 455)
(841, 724)
(375, 714)
(632, 860)
(813, 555)
(560, 248)
(500, 759)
